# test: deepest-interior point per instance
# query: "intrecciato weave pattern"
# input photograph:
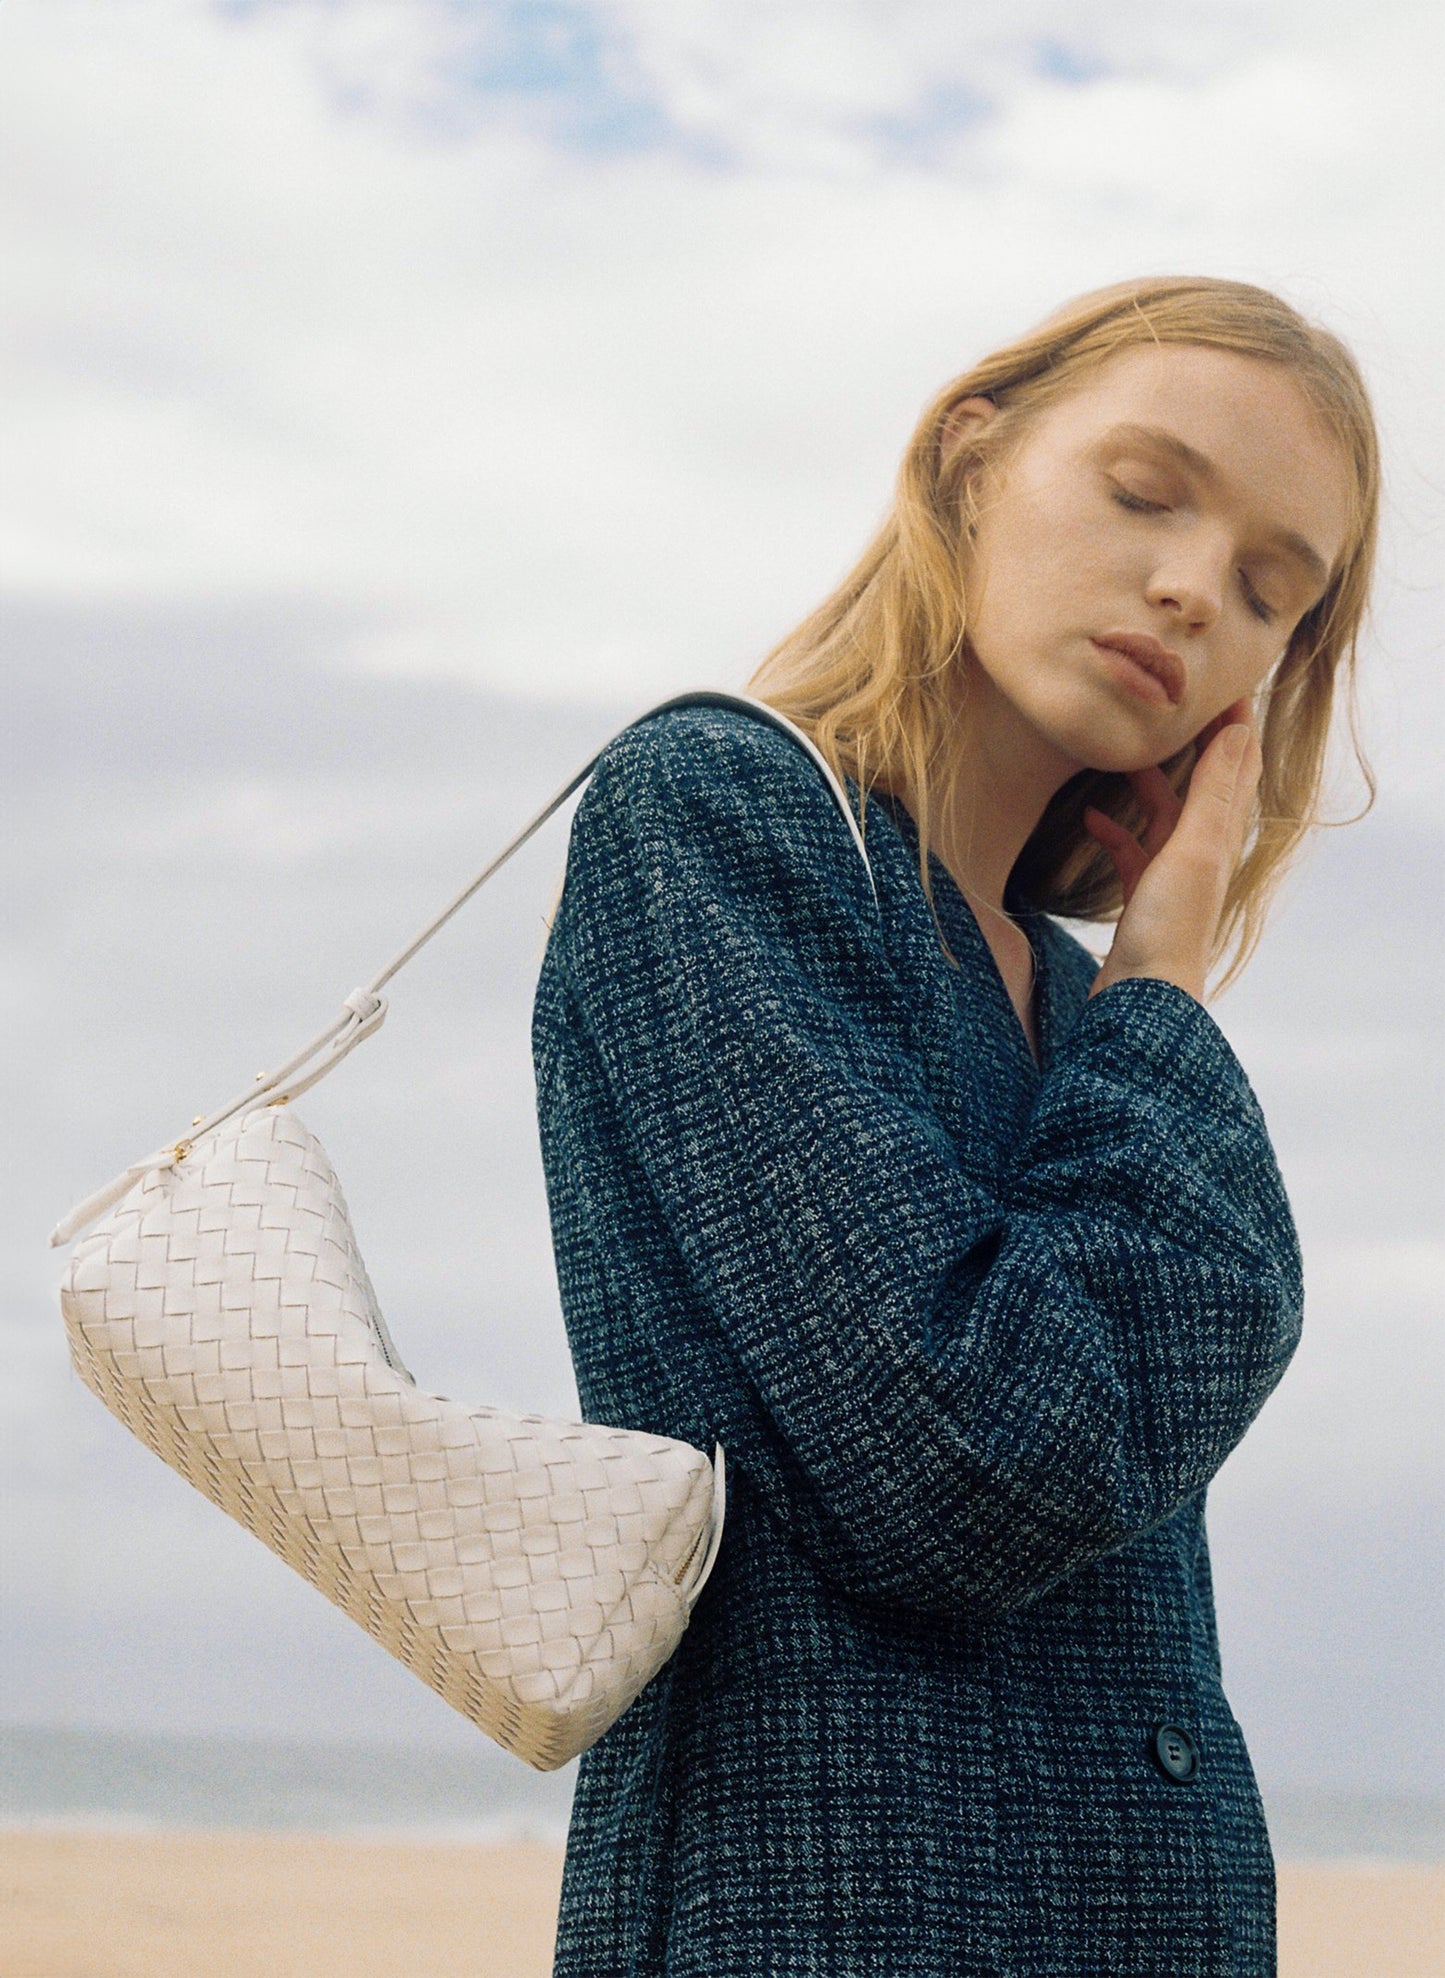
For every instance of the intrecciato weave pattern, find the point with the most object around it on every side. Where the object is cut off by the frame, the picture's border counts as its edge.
(535, 1573)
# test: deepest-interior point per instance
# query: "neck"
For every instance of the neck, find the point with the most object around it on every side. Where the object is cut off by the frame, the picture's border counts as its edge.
(1003, 775)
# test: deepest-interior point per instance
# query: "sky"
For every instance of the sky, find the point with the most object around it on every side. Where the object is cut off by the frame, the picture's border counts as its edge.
(399, 398)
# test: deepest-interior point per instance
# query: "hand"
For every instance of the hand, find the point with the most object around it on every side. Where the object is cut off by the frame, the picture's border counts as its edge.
(1175, 877)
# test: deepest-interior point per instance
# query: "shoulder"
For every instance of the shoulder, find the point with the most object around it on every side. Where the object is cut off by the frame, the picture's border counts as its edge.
(712, 810)
(724, 752)
(718, 779)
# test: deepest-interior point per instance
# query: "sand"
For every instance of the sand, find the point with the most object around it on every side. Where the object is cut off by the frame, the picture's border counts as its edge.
(272, 1906)
(1361, 1921)
(86, 1905)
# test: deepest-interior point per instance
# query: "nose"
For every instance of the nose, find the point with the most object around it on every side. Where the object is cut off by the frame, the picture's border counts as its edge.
(1189, 579)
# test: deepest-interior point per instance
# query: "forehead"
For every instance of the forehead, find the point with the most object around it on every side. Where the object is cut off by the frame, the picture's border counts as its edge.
(1248, 417)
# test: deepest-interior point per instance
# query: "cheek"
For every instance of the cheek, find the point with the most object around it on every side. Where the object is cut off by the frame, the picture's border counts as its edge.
(1039, 557)
(1244, 668)
(1234, 675)
(1067, 544)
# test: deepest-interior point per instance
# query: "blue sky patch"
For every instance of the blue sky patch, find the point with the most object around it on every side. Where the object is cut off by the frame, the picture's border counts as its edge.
(559, 58)
(1062, 62)
(918, 134)
(553, 61)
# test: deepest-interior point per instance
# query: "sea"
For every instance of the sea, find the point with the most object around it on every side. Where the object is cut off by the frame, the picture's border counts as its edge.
(67, 1777)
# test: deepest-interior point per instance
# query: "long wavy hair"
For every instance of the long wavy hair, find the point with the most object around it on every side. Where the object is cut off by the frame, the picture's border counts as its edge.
(878, 673)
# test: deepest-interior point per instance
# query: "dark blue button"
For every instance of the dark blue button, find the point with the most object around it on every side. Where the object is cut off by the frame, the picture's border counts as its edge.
(1176, 1754)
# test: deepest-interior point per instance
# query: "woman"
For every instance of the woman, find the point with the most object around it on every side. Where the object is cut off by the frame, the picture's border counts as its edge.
(974, 1255)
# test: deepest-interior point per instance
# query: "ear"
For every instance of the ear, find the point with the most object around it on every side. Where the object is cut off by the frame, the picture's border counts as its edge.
(963, 422)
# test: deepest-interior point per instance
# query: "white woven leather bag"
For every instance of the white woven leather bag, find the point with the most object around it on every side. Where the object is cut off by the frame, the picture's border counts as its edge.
(536, 1574)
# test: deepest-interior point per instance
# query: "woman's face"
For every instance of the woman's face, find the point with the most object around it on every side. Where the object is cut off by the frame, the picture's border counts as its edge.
(1184, 499)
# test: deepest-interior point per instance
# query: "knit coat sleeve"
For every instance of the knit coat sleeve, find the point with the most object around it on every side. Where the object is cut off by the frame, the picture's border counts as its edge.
(949, 1392)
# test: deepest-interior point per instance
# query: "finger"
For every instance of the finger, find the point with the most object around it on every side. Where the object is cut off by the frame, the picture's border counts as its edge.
(1123, 850)
(1160, 804)
(1216, 809)
(1128, 856)
(1236, 711)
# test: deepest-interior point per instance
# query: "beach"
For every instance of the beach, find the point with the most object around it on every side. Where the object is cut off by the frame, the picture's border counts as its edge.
(276, 1905)
(273, 1905)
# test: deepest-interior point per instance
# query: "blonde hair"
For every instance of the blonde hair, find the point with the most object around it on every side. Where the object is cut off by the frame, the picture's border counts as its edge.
(878, 673)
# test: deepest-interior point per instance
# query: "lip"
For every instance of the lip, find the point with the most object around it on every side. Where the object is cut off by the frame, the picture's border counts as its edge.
(1159, 660)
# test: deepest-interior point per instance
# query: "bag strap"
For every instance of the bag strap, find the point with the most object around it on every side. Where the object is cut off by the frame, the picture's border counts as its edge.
(364, 1010)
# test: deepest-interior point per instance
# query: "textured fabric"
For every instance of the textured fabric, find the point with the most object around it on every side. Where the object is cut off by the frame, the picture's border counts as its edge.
(975, 1335)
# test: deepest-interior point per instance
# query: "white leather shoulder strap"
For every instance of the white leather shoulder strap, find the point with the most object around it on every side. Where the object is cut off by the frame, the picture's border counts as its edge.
(364, 1009)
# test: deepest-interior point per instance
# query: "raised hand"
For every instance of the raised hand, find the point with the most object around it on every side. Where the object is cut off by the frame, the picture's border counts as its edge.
(1175, 877)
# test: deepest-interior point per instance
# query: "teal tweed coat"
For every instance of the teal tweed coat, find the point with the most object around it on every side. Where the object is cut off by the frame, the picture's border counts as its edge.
(975, 1335)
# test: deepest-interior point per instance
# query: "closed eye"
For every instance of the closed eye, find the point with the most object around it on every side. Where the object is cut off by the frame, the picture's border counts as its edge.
(1140, 505)
(1255, 602)
(1136, 504)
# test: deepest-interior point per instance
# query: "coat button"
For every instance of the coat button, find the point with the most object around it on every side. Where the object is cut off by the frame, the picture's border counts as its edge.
(1176, 1754)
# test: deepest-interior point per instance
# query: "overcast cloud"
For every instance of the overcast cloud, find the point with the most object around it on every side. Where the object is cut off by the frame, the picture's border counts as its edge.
(404, 394)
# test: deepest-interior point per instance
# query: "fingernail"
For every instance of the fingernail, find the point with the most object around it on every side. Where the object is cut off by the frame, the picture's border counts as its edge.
(1234, 742)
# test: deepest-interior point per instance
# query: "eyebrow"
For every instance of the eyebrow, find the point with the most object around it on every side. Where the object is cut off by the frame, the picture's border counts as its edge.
(1204, 469)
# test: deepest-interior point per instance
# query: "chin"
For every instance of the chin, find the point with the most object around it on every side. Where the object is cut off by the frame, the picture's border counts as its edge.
(1120, 761)
(1092, 740)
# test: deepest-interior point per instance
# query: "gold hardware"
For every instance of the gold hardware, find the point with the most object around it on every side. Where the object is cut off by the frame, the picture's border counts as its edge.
(198, 1118)
(180, 1151)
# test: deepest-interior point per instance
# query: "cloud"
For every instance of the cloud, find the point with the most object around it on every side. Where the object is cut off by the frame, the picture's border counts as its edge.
(436, 71)
(608, 421)
(402, 395)
(748, 83)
